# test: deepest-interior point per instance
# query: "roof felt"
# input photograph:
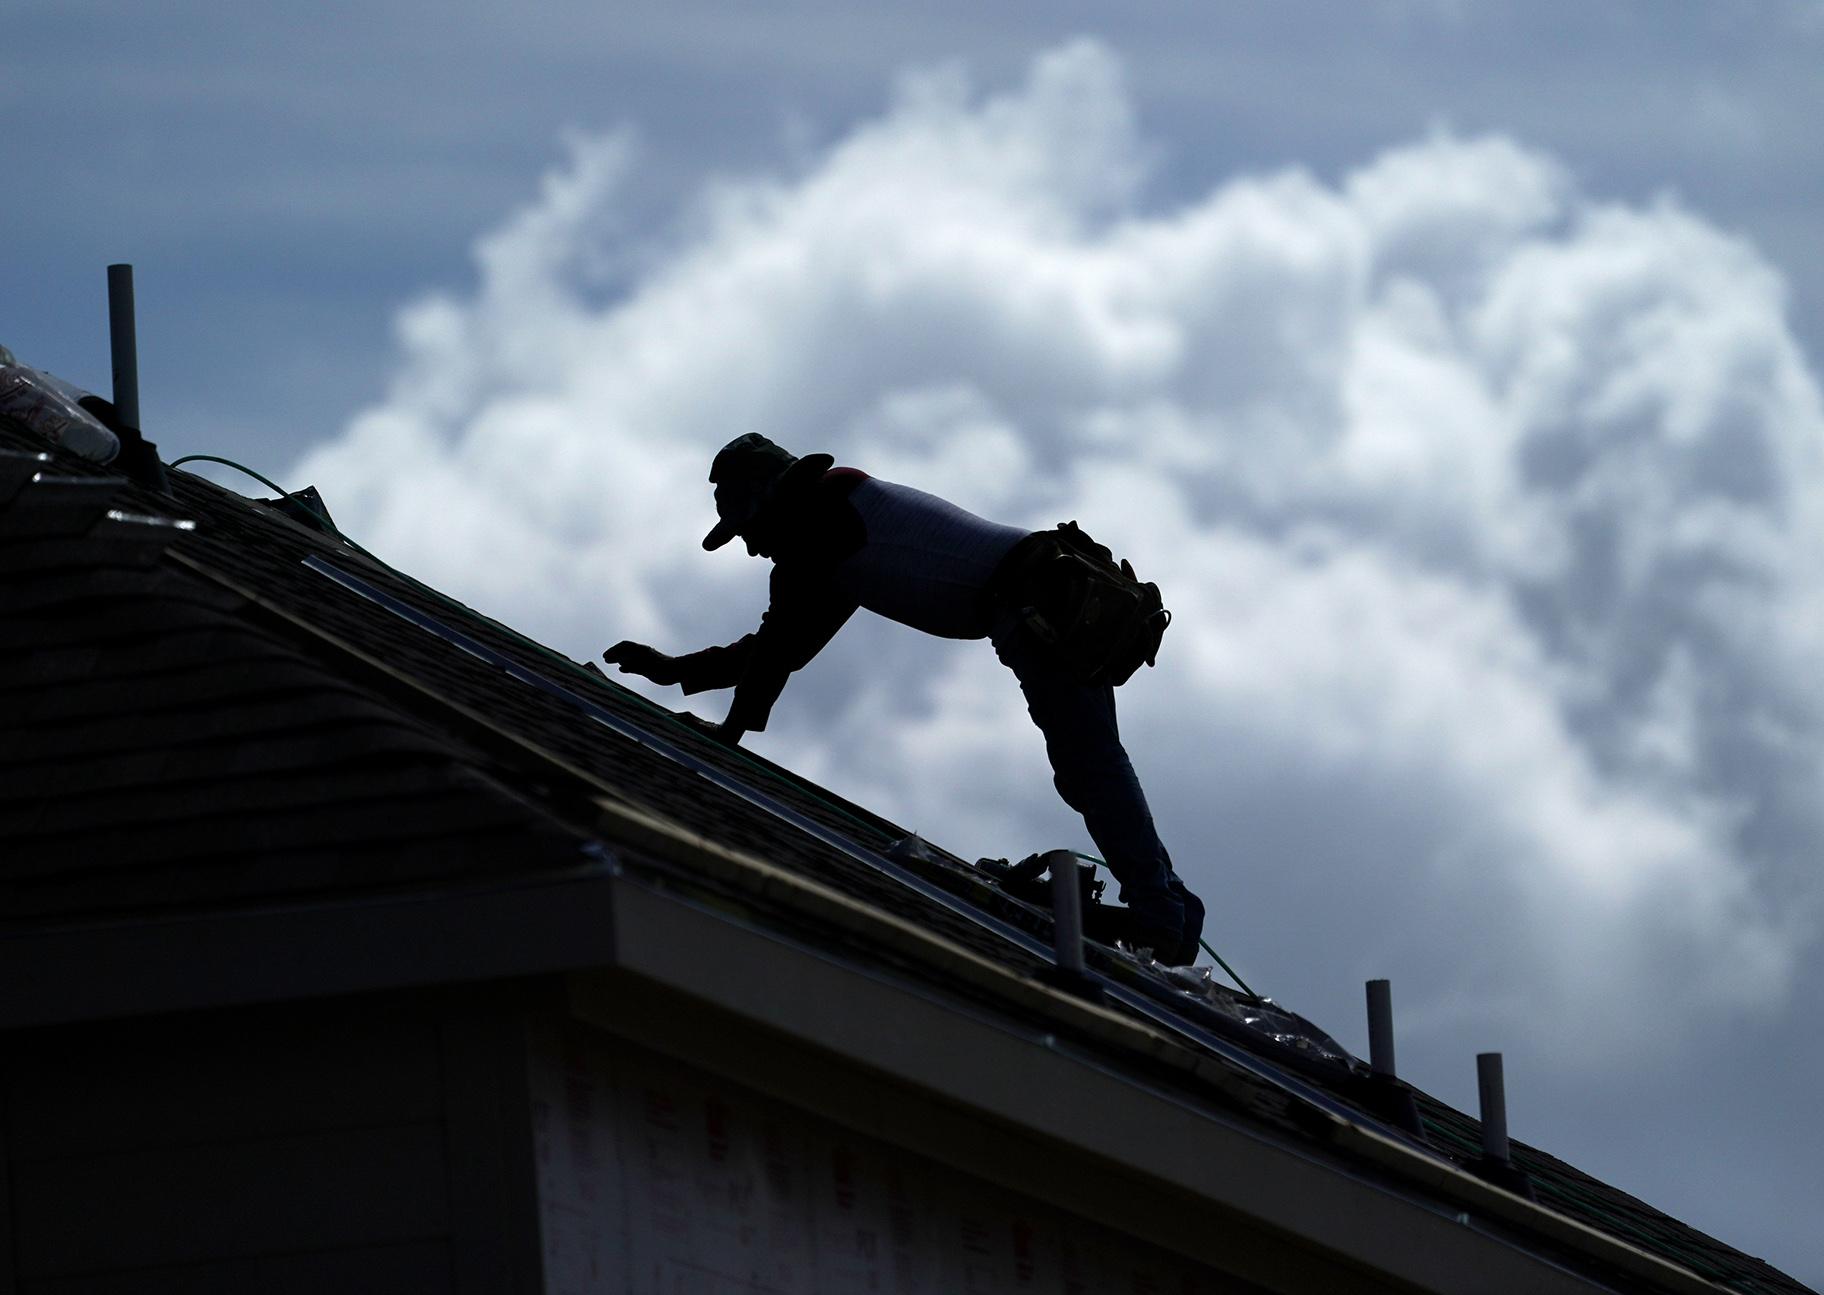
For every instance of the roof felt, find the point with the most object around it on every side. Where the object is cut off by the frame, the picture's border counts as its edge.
(208, 717)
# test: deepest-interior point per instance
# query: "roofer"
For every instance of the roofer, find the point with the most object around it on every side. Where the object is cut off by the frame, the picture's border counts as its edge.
(1061, 615)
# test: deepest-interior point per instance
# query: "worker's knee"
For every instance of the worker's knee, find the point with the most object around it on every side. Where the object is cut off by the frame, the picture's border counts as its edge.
(1071, 790)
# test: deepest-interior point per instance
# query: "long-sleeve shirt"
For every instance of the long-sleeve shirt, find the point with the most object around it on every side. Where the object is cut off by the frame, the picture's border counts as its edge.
(856, 542)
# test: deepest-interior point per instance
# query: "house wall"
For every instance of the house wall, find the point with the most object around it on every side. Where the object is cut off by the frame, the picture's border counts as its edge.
(431, 1142)
(1001, 1104)
(351, 1145)
(657, 1176)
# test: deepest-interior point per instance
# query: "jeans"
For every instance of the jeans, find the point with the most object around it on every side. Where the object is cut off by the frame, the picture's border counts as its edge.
(1095, 778)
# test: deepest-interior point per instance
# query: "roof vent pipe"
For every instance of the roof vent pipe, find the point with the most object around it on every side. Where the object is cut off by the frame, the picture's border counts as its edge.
(1387, 1096)
(1066, 911)
(123, 344)
(1068, 971)
(1380, 1028)
(1497, 1165)
(1493, 1094)
(138, 456)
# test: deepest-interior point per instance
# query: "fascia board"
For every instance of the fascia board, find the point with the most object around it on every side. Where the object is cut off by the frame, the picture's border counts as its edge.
(186, 962)
(999, 1071)
(1464, 1199)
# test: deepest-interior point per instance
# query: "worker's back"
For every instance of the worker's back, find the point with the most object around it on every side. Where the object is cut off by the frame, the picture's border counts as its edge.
(926, 562)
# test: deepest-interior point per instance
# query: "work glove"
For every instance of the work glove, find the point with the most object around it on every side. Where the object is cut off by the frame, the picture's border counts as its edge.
(637, 658)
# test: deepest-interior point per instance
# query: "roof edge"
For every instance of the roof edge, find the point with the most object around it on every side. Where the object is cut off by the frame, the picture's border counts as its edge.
(1425, 1170)
(645, 830)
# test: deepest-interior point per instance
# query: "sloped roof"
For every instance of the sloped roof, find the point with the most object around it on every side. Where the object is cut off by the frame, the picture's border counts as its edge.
(205, 704)
(163, 750)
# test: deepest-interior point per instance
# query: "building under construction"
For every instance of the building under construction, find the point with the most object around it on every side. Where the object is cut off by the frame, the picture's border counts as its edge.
(354, 942)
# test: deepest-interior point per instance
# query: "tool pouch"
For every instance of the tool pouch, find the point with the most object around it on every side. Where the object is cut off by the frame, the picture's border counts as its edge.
(1100, 619)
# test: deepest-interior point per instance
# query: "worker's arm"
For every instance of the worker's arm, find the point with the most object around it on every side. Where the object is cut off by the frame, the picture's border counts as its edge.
(804, 613)
(805, 610)
(715, 667)
(637, 658)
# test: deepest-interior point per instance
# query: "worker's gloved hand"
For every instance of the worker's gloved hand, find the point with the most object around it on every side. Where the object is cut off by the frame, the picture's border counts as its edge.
(637, 658)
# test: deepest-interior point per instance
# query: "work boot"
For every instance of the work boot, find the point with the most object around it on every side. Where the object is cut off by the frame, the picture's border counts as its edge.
(1167, 944)
(1173, 945)
(1165, 939)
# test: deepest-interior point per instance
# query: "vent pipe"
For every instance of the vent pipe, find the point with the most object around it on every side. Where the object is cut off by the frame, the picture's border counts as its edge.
(1493, 1093)
(138, 456)
(1066, 912)
(1380, 1028)
(1497, 1165)
(1068, 971)
(123, 343)
(1387, 1096)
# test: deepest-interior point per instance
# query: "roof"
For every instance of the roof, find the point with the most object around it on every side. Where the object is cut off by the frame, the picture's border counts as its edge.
(209, 705)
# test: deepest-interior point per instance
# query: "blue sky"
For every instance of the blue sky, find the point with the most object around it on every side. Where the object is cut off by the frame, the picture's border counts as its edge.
(286, 174)
(1453, 366)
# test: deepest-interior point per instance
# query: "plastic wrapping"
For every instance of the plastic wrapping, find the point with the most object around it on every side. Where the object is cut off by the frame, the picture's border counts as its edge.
(1262, 1015)
(1029, 880)
(49, 407)
(910, 849)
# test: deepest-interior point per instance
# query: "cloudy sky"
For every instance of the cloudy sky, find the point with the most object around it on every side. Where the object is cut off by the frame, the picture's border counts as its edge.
(1452, 365)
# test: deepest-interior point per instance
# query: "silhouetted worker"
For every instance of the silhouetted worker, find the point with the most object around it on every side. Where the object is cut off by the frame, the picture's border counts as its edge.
(840, 539)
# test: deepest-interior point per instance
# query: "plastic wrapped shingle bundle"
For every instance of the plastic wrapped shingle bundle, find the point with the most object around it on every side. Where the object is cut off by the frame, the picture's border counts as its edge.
(1260, 1014)
(49, 407)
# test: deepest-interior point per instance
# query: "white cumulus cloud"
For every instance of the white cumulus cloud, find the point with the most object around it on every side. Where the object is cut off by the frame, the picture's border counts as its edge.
(1484, 507)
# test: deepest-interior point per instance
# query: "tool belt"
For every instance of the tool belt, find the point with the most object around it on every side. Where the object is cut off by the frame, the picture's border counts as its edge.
(1102, 622)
